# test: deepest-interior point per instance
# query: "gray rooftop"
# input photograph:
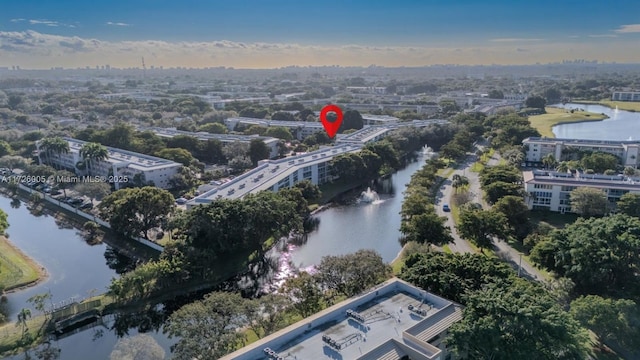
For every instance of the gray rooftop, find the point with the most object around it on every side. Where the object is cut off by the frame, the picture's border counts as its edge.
(381, 333)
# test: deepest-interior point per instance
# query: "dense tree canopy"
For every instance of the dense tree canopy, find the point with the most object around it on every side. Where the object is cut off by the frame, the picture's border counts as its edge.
(481, 226)
(629, 204)
(600, 255)
(453, 276)
(588, 201)
(516, 321)
(351, 274)
(135, 211)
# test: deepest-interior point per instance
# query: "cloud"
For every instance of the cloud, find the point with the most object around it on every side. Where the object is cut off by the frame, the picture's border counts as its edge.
(17, 20)
(626, 29)
(33, 49)
(44, 22)
(515, 39)
(603, 36)
(117, 23)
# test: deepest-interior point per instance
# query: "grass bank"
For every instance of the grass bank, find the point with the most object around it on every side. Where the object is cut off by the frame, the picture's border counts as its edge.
(622, 105)
(17, 270)
(554, 116)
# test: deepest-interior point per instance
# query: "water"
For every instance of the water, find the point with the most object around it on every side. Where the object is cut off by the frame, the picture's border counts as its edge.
(369, 196)
(621, 125)
(74, 267)
(348, 228)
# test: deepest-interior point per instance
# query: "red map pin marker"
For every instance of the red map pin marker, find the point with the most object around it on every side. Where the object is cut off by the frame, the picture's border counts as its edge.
(331, 127)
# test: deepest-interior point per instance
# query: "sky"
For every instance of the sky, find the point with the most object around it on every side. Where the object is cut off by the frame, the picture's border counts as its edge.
(278, 33)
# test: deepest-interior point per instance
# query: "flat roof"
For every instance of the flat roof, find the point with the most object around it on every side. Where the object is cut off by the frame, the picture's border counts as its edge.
(582, 180)
(202, 135)
(384, 322)
(270, 172)
(135, 160)
(581, 141)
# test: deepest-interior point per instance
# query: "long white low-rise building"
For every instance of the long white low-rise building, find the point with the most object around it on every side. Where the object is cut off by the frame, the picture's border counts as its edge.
(299, 129)
(536, 148)
(551, 190)
(272, 143)
(120, 167)
(276, 174)
(313, 166)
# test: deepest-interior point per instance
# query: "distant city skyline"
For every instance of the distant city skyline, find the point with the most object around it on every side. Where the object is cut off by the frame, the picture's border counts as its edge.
(270, 34)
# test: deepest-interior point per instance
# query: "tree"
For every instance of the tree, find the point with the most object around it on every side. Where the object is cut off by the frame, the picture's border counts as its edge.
(599, 162)
(62, 180)
(481, 226)
(5, 148)
(600, 255)
(496, 94)
(459, 181)
(453, 276)
(93, 152)
(279, 132)
(352, 120)
(587, 201)
(14, 162)
(499, 189)
(23, 316)
(549, 161)
(91, 229)
(135, 211)
(258, 150)
(517, 214)
(93, 190)
(516, 321)
(426, 227)
(351, 274)
(629, 204)
(504, 173)
(612, 320)
(14, 100)
(208, 328)
(179, 155)
(38, 301)
(268, 314)
(53, 146)
(535, 101)
(4, 224)
(310, 191)
(305, 293)
(213, 128)
(137, 347)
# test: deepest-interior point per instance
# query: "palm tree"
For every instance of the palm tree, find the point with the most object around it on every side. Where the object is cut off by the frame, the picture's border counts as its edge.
(563, 166)
(59, 146)
(92, 152)
(54, 145)
(459, 181)
(549, 161)
(23, 315)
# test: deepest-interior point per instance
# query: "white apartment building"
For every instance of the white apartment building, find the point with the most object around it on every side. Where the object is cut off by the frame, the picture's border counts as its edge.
(537, 147)
(370, 119)
(277, 174)
(122, 165)
(625, 96)
(550, 190)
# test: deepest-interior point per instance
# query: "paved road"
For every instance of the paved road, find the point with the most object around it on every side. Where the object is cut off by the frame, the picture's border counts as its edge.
(503, 249)
(443, 197)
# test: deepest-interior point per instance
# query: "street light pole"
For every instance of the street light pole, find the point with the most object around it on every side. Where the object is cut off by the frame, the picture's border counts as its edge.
(520, 266)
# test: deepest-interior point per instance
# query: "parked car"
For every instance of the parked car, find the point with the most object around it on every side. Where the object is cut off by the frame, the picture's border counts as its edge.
(445, 208)
(87, 205)
(74, 201)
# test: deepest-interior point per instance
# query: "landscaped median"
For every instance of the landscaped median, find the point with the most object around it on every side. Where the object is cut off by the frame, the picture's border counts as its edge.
(554, 116)
(16, 269)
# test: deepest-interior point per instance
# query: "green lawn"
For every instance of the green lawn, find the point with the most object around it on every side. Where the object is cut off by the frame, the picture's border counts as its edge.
(554, 116)
(15, 268)
(554, 219)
